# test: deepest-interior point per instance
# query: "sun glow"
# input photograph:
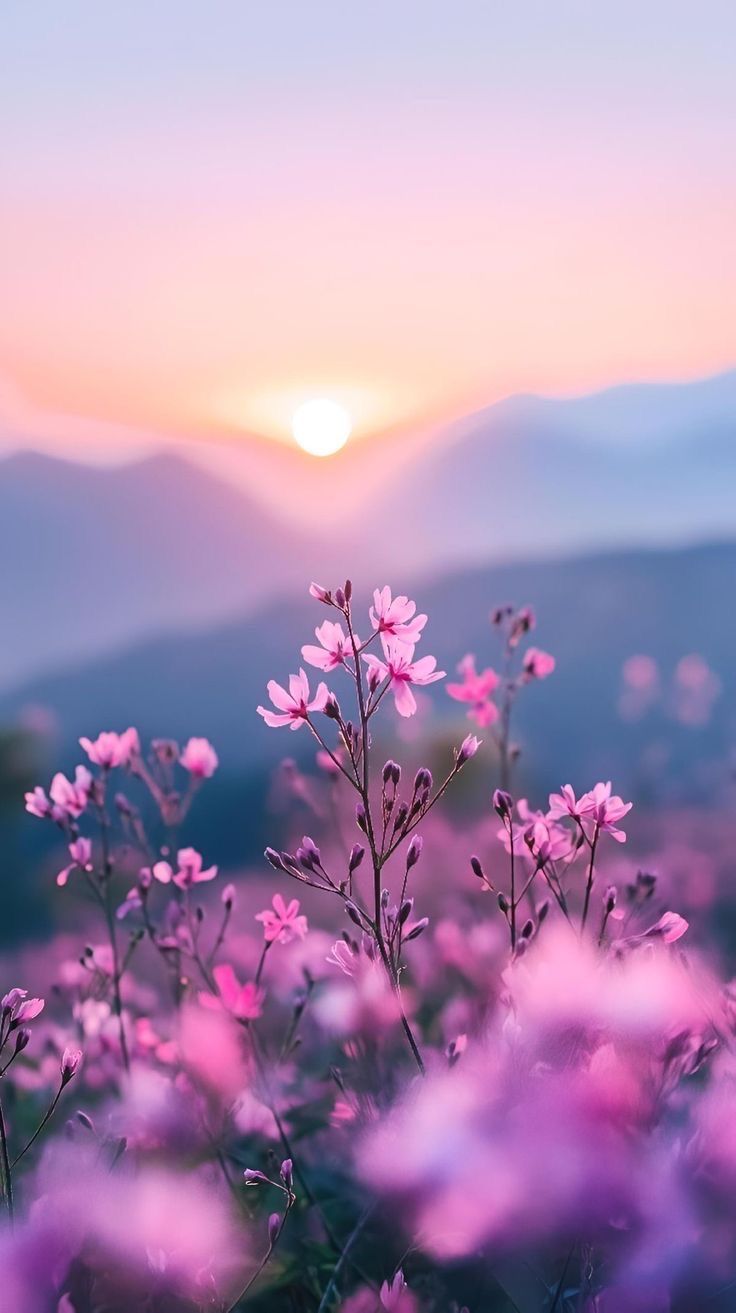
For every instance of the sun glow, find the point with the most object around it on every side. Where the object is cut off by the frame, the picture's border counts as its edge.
(321, 427)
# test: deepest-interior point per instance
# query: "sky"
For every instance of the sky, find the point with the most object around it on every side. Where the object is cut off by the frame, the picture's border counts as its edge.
(210, 212)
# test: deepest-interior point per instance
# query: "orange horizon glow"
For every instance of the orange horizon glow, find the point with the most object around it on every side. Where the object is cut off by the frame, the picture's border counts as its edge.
(500, 212)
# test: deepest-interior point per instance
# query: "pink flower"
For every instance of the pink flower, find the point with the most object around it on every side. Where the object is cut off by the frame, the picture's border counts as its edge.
(110, 749)
(401, 671)
(71, 798)
(604, 809)
(283, 923)
(19, 1008)
(293, 707)
(80, 852)
(334, 647)
(242, 1001)
(538, 664)
(199, 758)
(189, 870)
(70, 1060)
(565, 803)
(476, 689)
(395, 617)
(38, 804)
(342, 955)
(670, 927)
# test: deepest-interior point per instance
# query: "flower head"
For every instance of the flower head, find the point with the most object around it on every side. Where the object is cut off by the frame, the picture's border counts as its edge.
(537, 664)
(71, 797)
(604, 809)
(334, 646)
(199, 758)
(80, 852)
(243, 1001)
(189, 870)
(282, 922)
(402, 671)
(476, 690)
(109, 749)
(293, 707)
(395, 617)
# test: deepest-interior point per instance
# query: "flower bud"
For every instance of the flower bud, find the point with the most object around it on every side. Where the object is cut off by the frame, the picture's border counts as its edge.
(360, 818)
(476, 868)
(287, 1172)
(340, 598)
(22, 1039)
(414, 851)
(467, 749)
(252, 1177)
(332, 708)
(357, 853)
(503, 903)
(275, 859)
(321, 594)
(70, 1060)
(228, 896)
(274, 1221)
(348, 590)
(503, 804)
(417, 929)
(354, 914)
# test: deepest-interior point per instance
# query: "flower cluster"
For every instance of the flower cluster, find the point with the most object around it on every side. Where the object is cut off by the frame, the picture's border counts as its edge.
(391, 1093)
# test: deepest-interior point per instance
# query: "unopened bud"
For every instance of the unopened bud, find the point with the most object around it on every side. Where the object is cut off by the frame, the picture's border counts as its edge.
(70, 1060)
(414, 851)
(252, 1177)
(503, 804)
(287, 1172)
(360, 818)
(274, 1221)
(357, 853)
(417, 929)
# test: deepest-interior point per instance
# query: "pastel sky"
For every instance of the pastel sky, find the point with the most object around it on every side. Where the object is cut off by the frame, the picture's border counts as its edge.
(211, 210)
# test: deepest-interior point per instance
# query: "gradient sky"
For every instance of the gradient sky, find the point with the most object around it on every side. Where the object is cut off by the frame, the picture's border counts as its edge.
(209, 211)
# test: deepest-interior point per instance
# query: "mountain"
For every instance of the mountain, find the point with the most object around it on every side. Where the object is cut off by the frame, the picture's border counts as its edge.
(96, 557)
(593, 612)
(643, 464)
(100, 557)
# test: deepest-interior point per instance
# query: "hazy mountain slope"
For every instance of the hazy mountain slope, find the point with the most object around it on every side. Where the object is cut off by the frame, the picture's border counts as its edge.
(95, 557)
(594, 612)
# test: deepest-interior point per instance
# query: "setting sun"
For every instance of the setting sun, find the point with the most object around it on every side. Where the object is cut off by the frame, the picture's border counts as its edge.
(321, 427)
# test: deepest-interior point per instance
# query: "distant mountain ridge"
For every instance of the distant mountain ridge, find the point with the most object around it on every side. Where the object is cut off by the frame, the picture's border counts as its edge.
(593, 613)
(97, 558)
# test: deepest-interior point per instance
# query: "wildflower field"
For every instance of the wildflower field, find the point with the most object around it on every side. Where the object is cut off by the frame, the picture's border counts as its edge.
(417, 1060)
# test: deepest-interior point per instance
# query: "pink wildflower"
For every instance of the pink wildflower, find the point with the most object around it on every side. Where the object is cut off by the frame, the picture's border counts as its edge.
(476, 689)
(38, 804)
(395, 617)
(605, 809)
(19, 1008)
(80, 852)
(334, 647)
(199, 758)
(109, 749)
(399, 668)
(189, 870)
(538, 664)
(71, 798)
(565, 803)
(283, 923)
(670, 927)
(242, 1001)
(293, 707)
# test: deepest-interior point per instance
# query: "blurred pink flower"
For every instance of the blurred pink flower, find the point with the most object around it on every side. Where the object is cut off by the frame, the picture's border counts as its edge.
(199, 758)
(334, 646)
(477, 690)
(604, 809)
(189, 870)
(242, 1001)
(395, 618)
(283, 923)
(538, 664)
(37, 803)
(71, 798)
(399, 668)
(109, 749)
(80, 852)
(293, 707)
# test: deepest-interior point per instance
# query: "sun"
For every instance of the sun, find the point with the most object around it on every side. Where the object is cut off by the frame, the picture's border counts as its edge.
(321, 427)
